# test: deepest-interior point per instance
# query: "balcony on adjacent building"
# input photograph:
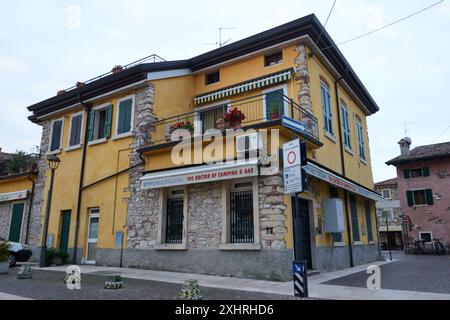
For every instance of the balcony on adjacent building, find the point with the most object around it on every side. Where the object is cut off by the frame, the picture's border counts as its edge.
(260, 111)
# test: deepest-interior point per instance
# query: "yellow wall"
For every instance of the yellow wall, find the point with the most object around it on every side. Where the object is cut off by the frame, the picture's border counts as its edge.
(15, 184)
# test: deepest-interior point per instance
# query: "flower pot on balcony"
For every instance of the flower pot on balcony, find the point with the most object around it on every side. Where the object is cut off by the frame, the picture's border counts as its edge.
(220, 124)
(233, 125)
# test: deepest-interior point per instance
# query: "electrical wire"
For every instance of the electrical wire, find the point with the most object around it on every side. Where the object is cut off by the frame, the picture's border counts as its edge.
(326, 21)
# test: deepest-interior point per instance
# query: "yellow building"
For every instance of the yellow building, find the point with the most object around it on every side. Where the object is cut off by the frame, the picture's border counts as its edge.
(121, 196)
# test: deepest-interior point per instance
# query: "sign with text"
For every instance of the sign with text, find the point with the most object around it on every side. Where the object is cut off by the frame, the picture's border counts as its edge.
(292, 172)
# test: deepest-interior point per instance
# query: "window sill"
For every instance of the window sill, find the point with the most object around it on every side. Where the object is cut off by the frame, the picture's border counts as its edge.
(274, 64)
(349, 150)
(71, 148)
(338, 244)
(49, 153)
(421, 205)
(122, 135)
(330, 136)
(98, 141)
(240, 246)
(358, 243)
(363, 161)
(168, 246)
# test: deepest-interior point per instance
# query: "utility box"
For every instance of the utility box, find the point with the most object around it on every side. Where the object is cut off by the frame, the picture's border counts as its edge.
(334, 215)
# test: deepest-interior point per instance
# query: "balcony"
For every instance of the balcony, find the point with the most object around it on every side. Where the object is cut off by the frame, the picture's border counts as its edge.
(260, 111)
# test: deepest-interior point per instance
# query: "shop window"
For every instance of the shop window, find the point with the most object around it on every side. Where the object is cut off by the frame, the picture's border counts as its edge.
(213, 77)
(334, 193)
(241, 213)
(174, 217)
(100, 123)
(272, 59)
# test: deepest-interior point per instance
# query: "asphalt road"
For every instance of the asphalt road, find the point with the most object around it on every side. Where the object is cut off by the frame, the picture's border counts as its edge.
(425, 273)
(49, 285)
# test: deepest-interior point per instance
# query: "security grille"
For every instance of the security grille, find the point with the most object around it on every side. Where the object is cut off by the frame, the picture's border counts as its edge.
(174, 223)
(241, 217)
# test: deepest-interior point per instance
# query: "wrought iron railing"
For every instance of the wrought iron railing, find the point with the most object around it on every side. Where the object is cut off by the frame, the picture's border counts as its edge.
(256, 109)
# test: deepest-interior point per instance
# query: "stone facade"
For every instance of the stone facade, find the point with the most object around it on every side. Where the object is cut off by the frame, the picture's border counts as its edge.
(5, 216)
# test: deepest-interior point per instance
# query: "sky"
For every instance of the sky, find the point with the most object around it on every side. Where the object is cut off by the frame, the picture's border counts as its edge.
(404, 67)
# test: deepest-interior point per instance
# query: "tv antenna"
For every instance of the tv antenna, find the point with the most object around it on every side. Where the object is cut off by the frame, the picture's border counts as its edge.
(405, 125)
(220, 43)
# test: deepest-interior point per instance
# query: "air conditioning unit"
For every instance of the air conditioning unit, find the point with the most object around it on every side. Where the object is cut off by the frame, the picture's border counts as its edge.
(248, 142)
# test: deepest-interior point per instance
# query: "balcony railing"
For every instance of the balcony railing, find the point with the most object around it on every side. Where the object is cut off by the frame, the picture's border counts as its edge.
(257, 109)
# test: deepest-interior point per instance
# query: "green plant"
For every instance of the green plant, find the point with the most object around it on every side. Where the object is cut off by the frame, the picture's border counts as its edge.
(4, 255)
(53, 254)
(187, 125)
(21, 162)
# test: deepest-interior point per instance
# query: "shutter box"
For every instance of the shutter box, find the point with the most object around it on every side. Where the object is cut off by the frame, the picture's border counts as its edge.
(334, 215)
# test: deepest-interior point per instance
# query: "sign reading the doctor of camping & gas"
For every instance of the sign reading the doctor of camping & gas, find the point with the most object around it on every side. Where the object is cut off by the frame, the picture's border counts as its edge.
(292, 172)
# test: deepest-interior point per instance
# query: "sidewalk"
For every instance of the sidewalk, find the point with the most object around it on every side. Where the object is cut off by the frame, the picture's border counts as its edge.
(316, 288)
(7, 296)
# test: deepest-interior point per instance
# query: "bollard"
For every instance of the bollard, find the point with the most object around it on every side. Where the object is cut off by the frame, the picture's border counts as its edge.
(300, 279)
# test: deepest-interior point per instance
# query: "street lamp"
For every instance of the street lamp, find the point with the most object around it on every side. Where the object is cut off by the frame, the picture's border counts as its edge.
(53, 163)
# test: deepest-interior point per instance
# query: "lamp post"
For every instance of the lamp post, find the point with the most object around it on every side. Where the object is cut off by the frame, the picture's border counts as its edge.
(53, 163)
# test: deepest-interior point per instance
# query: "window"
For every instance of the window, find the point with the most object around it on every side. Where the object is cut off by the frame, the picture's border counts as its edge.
(361, 145)
(417, 172)
(209, 117)
(174, 217)
(125, 118)
(389, 214)
(334, 193)
(56, 135)
(213, 77)
(426, 236)
(354, 218)
(369, 220)
(76, 125)
(346, 127)
(273, 59)
(419, 197)
(386, 194)
(100, 123)
(326, 107)
(274, 104)
(241, 213)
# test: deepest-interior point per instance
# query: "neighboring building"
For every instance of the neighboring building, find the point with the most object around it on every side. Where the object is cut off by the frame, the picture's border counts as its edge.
(16, 194)
(4, 158)
(424, 183)
(390, 207)
(136, 207)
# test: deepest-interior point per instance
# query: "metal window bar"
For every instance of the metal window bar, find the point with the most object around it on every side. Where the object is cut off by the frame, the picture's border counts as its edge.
(241, 217)
(174, 220)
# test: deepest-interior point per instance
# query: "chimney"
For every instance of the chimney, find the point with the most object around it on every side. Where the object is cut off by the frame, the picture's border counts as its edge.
(405, 145)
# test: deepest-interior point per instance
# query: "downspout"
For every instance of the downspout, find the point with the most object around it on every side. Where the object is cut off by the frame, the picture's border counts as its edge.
(341, 147)
(87, 108)
(31, 206)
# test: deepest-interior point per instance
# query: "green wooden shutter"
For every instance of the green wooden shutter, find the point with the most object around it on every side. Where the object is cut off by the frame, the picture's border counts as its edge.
(56, 135)
(91, 122)
(429, 196)
(407, 173)
(16, 222)
(108, 121)
(410, 198)
(122, 118)
(426, 171)
(369, 221)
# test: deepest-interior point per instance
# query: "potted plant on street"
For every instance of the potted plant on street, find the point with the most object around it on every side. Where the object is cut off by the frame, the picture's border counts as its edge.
(4, 257)
(233, 118)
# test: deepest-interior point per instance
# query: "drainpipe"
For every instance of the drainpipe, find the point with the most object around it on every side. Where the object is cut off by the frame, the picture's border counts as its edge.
(87, 108)
(341, 147)
(31, 206)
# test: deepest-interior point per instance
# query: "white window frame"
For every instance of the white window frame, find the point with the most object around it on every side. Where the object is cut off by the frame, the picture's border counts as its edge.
(390, 194)
(414, 199)
(329, 133)
(164, 194)
(76, 146)
(346, 126)
(96, 124)
(50, 140)
(197, 121)
(226, 190)
(129, 133)
(91, 215)
(391, 214)
(422, 232)
(360, 138)
(272, 89)
(10, 218)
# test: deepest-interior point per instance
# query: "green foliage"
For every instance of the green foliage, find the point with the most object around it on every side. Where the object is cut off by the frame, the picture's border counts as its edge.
(4, 251)
(53, 254)
(21, 162)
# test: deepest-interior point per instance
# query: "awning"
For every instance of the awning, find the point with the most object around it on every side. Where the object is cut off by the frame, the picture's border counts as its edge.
(245, 86)
(200, 174)
(11, 196)
(340, 182)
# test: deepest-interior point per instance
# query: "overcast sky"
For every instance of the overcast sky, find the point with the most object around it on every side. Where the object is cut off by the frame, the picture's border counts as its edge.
(405, 67)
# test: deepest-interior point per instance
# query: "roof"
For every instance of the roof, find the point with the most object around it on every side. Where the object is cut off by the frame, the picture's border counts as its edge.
(428, 152)
(386, 182)
(18, 175)
(308, 25)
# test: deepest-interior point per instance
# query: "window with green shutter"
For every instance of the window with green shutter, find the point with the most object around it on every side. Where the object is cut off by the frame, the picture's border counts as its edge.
(125, 116)
(76, 124)
(429, 196)
(100, 123)
(56, 135)
(426, 171)
(406, 173)
(410, 198)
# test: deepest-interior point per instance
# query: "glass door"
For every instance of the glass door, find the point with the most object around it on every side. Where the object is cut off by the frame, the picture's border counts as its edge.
(92, 237)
